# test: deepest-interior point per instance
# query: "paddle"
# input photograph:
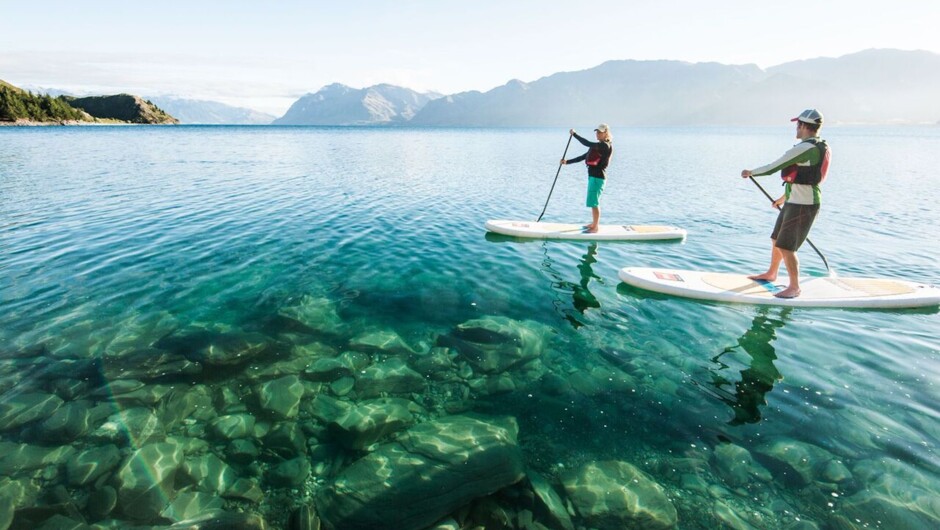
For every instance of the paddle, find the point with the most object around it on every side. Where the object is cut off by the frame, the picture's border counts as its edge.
(825, 262)
(556, 179)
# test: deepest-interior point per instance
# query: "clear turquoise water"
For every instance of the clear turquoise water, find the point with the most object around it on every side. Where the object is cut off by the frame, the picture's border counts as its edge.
(110, 237)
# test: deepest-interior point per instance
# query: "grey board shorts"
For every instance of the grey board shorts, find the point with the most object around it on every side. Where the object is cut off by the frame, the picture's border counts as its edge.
(793, 225)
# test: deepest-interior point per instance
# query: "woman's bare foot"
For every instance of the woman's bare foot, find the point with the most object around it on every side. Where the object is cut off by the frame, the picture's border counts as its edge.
(590, 229)
(789, 292)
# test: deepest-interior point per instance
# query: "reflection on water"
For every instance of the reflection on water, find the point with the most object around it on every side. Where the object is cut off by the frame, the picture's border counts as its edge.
(582, 298)
(759, 377)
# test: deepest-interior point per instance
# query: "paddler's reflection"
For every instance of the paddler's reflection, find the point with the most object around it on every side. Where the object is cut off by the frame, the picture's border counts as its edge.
(582, 298)
(760, 376)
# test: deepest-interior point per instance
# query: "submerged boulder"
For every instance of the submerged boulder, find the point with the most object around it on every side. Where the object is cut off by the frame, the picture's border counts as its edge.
(426, 473)
(613, 495)
(496, 344)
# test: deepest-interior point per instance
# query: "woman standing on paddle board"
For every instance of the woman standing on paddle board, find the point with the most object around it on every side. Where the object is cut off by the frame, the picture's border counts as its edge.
(597, 158)
(803, 168)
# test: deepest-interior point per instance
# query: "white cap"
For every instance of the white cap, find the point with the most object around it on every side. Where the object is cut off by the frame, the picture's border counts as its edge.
(602, 128)
(812, 116)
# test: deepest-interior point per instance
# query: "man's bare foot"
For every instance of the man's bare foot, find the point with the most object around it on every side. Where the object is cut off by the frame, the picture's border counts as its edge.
(789, 292)
(765, 276)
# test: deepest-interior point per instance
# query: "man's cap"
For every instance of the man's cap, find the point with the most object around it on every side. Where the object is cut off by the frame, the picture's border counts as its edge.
(602, 128)
(810, 116)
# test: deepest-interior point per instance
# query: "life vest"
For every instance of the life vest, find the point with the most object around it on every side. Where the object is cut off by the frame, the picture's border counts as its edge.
(594, 156)
(812, 174)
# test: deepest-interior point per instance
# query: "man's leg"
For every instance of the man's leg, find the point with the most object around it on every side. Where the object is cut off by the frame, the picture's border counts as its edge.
(775, 258)
(792, 263)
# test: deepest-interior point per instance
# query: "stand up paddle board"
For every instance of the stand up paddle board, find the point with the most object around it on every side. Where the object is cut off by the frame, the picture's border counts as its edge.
(542, 230)
(882, 293)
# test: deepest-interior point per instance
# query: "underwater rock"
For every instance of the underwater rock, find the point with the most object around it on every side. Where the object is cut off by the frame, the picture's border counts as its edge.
(895, 495)
(327, 370)
(316, 314)
(92, 463)
(285, 439)
(496, 344)
(61, 522)
(600, 380)
(101, 502)
(147, 365)
(729, 518)
(206, 473)
(342, 386)
(20, 409)
(550, 507)
(223, 521)
(327, 408)
(425, 474)
(808, 462)
(281, 397)
(232, 426)
(190, 505)
(289, 473)
(242, 451)
(20, 458)
(184, 402)
(245, 489)
(145, 482)
(137, 425)
(387, 342)
(214, 345)
(613, 495)
(392, 376)
(437, 364)
(362, 425)
(70, 422)
(737, 467)
(303, 518)
(17, 493)
(138, 330)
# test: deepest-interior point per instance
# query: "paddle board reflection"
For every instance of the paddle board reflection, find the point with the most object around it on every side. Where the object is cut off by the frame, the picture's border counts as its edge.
(581, 297)
(747, 395)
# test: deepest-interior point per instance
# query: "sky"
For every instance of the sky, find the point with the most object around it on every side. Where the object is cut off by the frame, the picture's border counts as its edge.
(265, 55)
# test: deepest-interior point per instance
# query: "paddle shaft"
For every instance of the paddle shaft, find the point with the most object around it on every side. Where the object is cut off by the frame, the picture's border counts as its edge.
(825, 261)
(563, 155)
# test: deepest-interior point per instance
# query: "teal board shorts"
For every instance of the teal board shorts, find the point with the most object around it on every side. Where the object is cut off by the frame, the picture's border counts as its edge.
(595, 189)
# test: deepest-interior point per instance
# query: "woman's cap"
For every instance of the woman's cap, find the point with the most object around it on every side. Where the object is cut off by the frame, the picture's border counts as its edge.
(602, 128)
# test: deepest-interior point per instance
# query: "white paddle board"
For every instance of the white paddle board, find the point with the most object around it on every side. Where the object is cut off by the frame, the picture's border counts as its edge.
(815, 292)
(534, 230)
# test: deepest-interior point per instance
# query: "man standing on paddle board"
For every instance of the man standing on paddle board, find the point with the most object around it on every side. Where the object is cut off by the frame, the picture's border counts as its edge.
(803, 168)
(597, 158)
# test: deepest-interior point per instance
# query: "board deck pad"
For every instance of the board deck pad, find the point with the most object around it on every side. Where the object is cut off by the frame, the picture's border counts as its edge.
(544, 230)
(815, 291)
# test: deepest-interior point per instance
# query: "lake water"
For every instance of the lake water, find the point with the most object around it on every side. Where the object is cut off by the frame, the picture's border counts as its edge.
(158, 282)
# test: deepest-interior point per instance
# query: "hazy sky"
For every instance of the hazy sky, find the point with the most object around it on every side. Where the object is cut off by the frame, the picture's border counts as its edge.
(265, 55)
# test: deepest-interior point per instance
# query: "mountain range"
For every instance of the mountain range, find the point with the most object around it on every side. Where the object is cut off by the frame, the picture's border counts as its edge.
(196, 111)
(871, 87)
(339, 104)
(878, 86)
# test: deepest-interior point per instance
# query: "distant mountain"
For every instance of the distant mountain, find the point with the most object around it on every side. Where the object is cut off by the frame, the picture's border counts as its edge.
(194, 111)
(339, 104)
(873, 86)
(122, 107)
(621, 92)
